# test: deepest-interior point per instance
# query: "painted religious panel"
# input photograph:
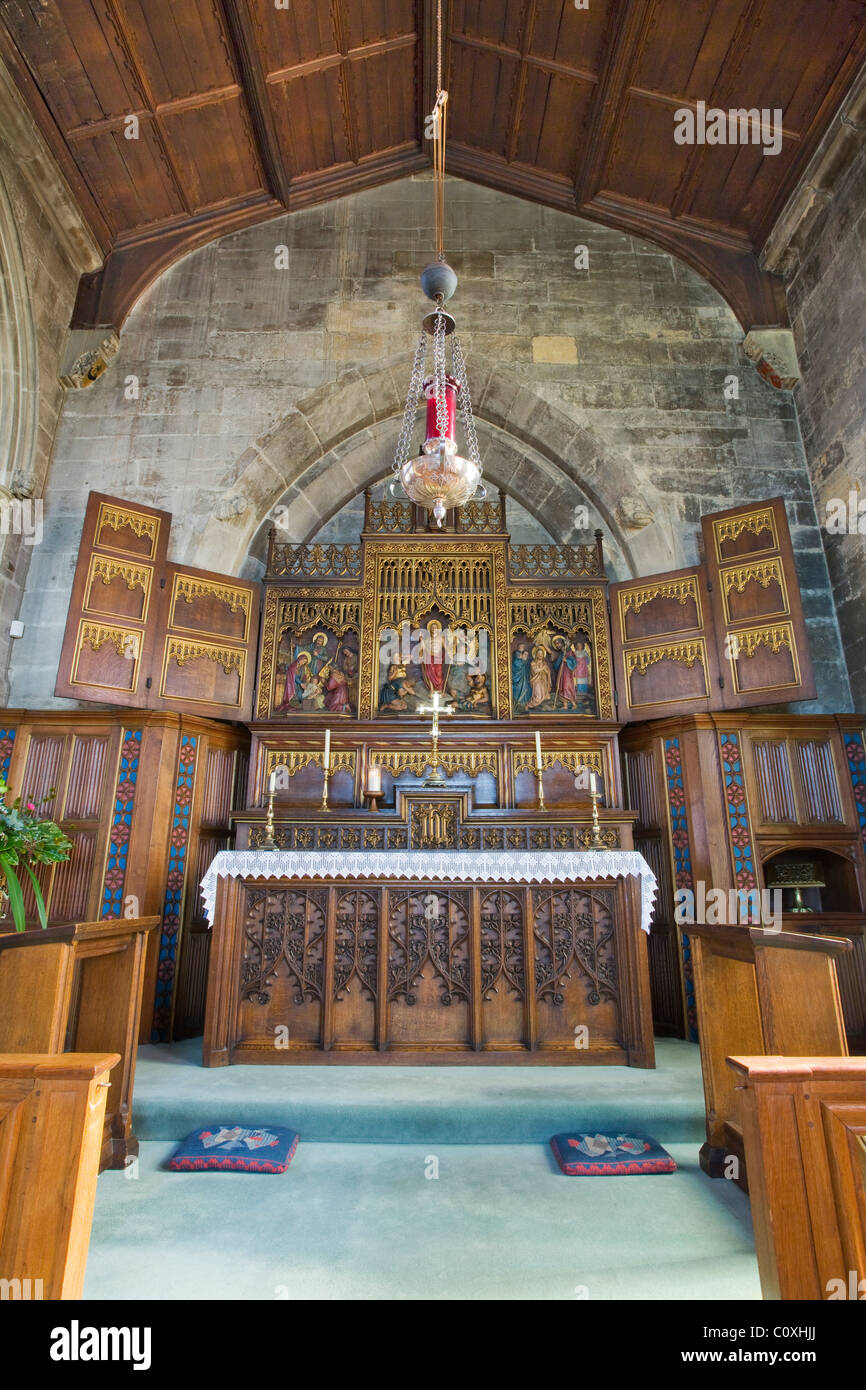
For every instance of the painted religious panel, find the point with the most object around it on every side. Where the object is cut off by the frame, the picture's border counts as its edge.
(553, 660)
(435, 657)
(317, 672)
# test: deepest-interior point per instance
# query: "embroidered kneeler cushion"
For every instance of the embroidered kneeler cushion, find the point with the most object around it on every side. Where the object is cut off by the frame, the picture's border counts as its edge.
(234, 1149)
(609, 1156)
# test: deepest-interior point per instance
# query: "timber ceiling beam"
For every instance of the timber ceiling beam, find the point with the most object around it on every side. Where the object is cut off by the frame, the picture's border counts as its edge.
(243, 110)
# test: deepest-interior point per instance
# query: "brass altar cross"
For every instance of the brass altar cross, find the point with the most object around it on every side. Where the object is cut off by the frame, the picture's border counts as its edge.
(435, 709)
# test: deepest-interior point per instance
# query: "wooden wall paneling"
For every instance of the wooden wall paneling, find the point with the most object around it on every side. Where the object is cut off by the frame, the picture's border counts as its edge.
(763, 642)
(219, 780)
(84, 814)
(150, 840)
(52, 1111)
(646, 792)
(803, 1120)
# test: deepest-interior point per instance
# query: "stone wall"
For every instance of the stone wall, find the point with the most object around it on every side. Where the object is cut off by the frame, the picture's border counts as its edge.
(827, 299)
(44, 248)
(240, 386)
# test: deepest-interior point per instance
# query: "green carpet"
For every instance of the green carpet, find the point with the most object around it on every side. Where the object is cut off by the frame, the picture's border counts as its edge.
(174, 1093)
(363, 1222)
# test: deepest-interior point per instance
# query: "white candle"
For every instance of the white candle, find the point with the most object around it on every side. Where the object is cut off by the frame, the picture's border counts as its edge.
(272, 781)
(327, 750)
(374, 778)
(538, 750)
(592, 783)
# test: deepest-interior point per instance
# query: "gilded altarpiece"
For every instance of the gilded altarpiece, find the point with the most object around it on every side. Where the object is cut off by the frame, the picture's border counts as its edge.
(427, 615)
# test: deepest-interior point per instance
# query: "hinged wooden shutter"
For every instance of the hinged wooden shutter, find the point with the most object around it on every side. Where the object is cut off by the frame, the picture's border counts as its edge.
(207, 643)
(152, 635)
(108, 644)
(664, 645)
(763, 646)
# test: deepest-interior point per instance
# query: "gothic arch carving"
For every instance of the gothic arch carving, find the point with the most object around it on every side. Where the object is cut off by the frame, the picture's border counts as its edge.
(339, 440)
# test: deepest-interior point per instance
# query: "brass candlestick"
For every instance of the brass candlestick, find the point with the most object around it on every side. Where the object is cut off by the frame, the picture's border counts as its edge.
(597, 842)
(539, 773)
(324, 805)
(270, 842)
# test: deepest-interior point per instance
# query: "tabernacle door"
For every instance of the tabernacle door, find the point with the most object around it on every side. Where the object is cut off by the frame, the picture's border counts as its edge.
(664, 645)
(764, 650)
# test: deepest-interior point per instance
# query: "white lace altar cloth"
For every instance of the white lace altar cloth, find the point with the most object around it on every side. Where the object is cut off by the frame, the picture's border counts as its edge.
(493, 866)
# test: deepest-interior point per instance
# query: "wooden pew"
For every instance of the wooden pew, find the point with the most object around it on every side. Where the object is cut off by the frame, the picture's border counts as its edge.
(52, 1110)
(78, 988)
(803, 1122)
(759, 992)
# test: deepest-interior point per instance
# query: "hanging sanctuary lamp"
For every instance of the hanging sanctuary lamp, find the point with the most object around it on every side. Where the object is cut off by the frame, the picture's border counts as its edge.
(439, 477)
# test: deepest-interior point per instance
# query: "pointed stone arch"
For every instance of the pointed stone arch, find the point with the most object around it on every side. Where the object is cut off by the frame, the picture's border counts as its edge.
(339, 439)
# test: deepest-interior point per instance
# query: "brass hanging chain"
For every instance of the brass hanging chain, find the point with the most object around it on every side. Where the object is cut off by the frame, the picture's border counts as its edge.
(438, 124)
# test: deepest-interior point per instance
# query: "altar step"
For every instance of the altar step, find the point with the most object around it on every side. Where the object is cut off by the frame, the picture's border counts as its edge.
(421, 1105)
(367, 1221)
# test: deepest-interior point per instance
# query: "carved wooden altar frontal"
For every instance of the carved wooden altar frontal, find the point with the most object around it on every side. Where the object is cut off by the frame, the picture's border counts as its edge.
(437, 971)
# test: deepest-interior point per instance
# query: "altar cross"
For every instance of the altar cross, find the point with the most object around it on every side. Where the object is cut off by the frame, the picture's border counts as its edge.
(436, 709)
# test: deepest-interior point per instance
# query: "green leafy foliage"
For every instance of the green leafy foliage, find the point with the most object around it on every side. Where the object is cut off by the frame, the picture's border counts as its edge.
(27, 839)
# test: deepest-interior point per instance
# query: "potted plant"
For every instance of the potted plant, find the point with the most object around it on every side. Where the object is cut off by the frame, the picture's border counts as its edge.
(26, 839)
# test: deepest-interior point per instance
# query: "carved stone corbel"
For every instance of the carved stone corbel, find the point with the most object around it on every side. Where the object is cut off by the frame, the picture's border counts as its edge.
(775, 356)
(88, 353)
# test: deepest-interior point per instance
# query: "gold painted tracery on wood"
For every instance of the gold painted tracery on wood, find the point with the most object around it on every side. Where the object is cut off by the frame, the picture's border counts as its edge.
(295, 759)
(680, 589)
(190, 589)
(686, 653)
(471, 761)
(118, 517)
(573, 760)
(134, 576)
(124, 641)
(763, 572)
(775, 637)
(180, 651)
(756, 522)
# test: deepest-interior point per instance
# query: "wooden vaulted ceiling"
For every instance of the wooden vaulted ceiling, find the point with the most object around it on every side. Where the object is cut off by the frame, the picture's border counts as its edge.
(245, 109)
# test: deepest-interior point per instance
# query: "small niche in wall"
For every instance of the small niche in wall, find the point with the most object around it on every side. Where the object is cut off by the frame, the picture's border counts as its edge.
(813, 881)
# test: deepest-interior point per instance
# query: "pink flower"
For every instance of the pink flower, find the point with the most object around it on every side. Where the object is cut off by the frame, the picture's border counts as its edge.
(30, 806)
